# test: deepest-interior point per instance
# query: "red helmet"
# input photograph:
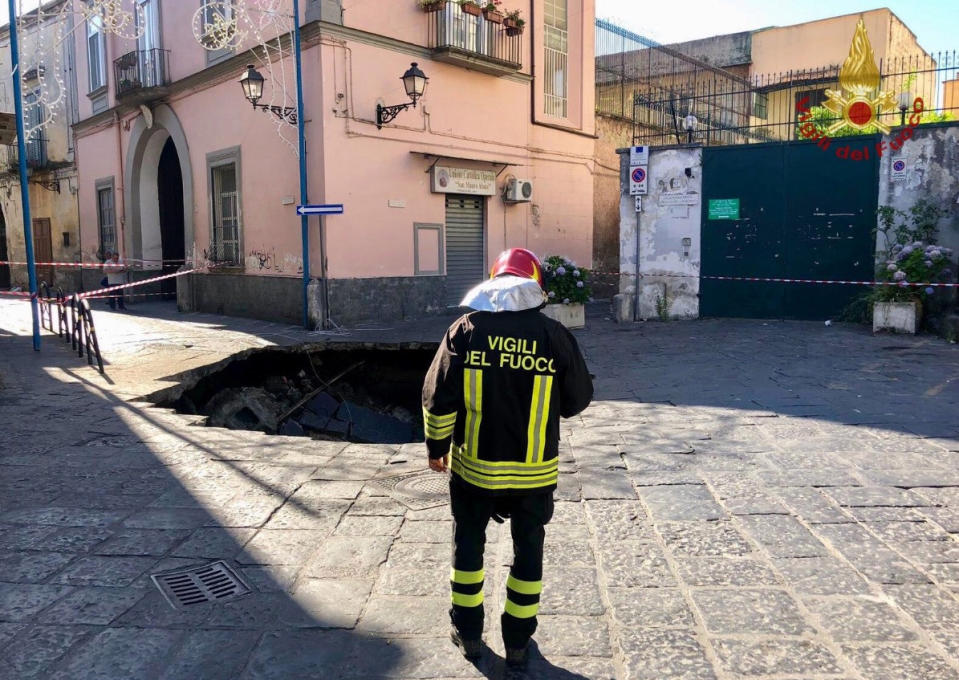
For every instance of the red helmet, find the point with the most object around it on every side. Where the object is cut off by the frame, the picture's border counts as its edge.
(518, 262)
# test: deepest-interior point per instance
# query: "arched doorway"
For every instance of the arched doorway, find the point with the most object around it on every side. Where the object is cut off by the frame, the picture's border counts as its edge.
(170, 200)
(159, 195)
(4, 268)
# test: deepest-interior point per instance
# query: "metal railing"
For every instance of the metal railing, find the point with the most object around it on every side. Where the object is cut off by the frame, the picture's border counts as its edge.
(450, 28)
(36, 153)
(74, 322)
(763, 108)
(141, 70)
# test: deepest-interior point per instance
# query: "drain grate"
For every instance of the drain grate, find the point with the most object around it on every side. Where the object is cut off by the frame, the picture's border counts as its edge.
(215, 582)
(418, 490)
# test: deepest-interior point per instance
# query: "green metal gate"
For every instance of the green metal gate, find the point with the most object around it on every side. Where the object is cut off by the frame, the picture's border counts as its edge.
(804, 213)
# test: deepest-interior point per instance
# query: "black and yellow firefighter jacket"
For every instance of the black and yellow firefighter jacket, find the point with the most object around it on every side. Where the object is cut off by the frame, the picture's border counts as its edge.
(493, 397)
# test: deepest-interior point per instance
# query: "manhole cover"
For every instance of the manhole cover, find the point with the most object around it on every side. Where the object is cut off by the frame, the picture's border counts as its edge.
(215, 582)
(418, 490)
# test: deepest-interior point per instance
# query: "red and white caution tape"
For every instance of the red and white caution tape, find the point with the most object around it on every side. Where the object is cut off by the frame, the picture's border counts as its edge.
(90, 265)
(899, 284)
(134, 284)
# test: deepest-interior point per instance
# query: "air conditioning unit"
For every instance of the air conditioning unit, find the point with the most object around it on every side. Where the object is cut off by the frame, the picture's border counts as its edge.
(519, 191)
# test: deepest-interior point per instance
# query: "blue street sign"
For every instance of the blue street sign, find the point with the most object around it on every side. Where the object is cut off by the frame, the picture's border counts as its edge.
(330, 209)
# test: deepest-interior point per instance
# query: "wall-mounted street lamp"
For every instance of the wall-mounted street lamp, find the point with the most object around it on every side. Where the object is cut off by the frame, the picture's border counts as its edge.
(905, 101)
(252, 83)
(414, 81)
(689, 124)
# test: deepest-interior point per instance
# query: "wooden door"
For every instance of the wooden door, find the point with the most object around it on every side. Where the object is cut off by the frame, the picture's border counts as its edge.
(43, 249)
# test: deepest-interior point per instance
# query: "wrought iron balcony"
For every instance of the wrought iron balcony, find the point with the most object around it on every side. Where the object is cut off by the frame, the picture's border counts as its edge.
(37, 158)
(474, 41)
(142, 75)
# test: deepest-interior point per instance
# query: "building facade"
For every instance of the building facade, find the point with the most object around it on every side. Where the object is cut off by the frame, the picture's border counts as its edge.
(50, 99)
(176, 165)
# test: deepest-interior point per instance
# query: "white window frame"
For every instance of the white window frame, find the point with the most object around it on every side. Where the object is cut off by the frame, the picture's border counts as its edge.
(106, 185)
(218, 246)
(556, 61)
(95, 28)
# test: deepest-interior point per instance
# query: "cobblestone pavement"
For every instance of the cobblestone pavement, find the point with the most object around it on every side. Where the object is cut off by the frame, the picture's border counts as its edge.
(744, 499)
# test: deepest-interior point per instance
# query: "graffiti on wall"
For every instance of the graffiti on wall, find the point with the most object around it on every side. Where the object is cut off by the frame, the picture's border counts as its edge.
(266, 260)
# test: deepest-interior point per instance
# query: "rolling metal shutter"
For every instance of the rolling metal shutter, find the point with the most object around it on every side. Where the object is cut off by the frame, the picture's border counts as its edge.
(465, 246)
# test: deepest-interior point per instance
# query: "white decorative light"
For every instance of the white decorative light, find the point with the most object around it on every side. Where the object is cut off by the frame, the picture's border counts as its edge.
(225, 24)
(216, 25)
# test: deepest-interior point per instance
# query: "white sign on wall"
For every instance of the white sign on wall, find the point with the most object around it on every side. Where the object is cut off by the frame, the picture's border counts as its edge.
(638, 177)
(897, 173)
(639, 155)
(447, 180)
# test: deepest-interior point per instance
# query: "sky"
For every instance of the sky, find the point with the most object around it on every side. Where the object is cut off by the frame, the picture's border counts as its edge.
(935, 22)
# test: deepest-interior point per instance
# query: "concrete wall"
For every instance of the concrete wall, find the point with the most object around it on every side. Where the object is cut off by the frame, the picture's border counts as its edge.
(817, 43)
(932, 172)
(671, 212)
(724, 51)
(613, 133)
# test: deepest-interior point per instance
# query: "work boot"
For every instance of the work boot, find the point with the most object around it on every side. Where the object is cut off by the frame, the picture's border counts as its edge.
(472, 649)
(517, 658)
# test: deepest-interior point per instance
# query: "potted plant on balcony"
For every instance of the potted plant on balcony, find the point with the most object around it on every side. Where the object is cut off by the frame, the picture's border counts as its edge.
(471, 7)
(567, 289)
(514, 23)
(433, 5)
(492, 13)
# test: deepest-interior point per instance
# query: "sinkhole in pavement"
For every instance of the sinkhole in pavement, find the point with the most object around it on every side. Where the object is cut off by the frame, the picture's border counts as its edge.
(367, 393)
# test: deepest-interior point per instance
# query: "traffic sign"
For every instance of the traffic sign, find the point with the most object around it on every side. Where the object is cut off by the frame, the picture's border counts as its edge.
(637, 181)
(328, 209)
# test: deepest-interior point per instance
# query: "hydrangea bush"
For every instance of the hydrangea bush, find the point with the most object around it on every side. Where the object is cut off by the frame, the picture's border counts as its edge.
(566, 283)
(915, 262)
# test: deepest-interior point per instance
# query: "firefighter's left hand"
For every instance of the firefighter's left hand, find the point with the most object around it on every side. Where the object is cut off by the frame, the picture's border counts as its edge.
(438, 464)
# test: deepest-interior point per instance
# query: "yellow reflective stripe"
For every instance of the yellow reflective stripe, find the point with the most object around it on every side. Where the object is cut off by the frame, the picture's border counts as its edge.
(504, 481)
(466, 577)
(522, 612)
(438, 433)
(497, 466)
(506, 467)
(544, 419)
(473, 397)
(468, 600)
(524, 587)
(438, 420)
(538, 417)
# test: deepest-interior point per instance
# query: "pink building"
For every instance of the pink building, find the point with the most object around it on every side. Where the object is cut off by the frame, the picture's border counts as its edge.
(175, 164)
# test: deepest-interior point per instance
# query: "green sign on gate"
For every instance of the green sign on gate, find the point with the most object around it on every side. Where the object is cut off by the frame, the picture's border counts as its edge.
(724, 208)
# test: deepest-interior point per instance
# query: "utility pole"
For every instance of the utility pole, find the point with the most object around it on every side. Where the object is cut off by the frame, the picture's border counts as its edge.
(24, 188)
(304, 192)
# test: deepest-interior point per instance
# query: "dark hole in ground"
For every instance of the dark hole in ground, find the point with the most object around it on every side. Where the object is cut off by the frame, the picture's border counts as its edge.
(358, 395)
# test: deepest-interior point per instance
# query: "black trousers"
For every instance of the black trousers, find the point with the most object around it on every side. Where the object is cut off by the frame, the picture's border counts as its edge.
(528, 515)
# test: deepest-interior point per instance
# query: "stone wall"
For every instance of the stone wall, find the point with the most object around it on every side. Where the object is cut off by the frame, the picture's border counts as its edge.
(613, 133)
(671, 212)
(271, 298)
(354, 301)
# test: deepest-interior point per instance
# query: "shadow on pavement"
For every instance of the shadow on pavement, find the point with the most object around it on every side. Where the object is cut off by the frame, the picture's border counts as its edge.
(94, 498)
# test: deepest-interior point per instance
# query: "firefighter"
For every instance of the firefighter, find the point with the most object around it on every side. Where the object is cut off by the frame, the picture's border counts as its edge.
(498, 385)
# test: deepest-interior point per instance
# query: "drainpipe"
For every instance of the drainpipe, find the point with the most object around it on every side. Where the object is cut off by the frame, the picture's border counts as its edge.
(532, 61)
(118, 191)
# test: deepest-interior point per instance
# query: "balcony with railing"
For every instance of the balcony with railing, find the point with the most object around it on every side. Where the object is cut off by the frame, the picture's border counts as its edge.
(474, 42)
(37, 158)
(142, 75)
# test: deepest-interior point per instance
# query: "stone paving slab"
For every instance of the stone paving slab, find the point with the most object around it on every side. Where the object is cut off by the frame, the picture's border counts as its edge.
(767, 525)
